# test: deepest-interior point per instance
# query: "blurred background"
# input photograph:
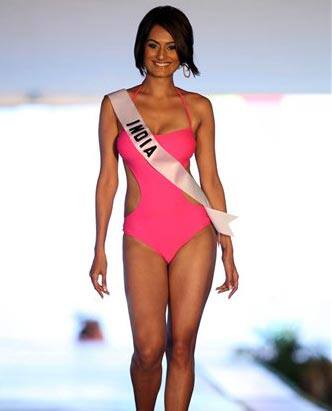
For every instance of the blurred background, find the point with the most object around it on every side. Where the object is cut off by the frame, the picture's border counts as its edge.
(266, 67)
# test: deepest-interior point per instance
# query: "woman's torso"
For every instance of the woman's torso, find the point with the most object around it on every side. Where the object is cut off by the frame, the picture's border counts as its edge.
(178, 139)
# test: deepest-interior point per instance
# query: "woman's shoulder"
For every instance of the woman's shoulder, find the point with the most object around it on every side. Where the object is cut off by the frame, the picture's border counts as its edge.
(194, 97)
(106, 98)
(197, 101)
(108, 93)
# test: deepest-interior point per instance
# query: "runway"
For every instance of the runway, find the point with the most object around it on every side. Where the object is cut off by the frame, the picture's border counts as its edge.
(95, 377)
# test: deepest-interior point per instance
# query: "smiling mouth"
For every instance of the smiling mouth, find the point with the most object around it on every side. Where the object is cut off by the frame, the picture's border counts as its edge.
(161, 64)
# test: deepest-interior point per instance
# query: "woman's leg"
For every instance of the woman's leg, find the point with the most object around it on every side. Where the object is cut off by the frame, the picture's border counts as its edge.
(190, 280)
(146, 287)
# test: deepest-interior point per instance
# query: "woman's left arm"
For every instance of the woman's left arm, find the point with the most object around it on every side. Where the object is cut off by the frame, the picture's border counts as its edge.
(209, 178)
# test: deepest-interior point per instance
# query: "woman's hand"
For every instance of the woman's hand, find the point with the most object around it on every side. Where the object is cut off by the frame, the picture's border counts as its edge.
(232, 276)
(99, 267)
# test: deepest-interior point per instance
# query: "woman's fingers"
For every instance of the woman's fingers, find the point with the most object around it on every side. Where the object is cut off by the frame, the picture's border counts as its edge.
(232, 279)
(222, 288)
(235, 287)
(100, 288)
(99, 267)
(104, 284)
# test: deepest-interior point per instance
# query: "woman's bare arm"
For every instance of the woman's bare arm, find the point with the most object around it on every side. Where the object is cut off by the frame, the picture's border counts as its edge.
(107, 183)
(212, 186)
(206, 159)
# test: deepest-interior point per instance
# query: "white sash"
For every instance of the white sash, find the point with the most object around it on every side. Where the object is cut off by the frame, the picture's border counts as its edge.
(162, 160)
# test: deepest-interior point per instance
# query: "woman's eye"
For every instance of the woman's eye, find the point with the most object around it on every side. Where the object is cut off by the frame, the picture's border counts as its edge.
(153, 46)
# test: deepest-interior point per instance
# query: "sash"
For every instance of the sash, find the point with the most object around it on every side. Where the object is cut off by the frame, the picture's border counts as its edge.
(162, 160)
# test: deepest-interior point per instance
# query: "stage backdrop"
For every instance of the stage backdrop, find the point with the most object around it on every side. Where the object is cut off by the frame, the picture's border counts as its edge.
(77, 50)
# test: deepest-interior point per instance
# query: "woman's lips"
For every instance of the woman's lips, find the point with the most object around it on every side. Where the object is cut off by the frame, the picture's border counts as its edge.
(159, 64)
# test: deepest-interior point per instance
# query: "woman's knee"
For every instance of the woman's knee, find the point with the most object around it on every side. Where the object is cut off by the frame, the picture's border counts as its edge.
(149, 355)
(182, 351)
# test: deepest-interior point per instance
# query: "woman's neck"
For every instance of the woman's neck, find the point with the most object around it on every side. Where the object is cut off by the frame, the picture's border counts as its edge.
(158, 87)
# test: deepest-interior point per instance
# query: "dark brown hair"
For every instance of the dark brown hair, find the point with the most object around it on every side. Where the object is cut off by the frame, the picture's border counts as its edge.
(177, 24)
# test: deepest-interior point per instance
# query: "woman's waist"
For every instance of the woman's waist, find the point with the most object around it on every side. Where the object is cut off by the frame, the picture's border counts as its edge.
(158, 207)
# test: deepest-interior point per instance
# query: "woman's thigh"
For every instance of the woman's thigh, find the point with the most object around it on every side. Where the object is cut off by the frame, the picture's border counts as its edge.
(146, 288)
(190, 280)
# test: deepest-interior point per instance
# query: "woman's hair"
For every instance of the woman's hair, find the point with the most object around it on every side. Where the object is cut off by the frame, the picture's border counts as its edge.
(177, 24)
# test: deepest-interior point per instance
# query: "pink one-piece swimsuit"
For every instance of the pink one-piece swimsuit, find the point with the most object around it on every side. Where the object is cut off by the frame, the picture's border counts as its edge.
(164, 219)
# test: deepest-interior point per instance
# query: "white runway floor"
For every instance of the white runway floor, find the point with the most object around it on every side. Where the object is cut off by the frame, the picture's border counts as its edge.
(95, 377)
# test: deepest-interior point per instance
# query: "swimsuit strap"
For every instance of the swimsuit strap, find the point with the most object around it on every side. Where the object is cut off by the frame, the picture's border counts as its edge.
(181, 97)
(185, 105)
(136, 92)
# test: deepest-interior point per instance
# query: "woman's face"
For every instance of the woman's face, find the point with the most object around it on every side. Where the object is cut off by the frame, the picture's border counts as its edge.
(160, 48)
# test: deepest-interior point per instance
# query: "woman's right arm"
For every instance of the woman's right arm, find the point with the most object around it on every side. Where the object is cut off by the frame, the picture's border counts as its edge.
(106, 188)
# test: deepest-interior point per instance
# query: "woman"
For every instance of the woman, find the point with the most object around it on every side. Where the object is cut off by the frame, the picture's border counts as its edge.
(169, 242)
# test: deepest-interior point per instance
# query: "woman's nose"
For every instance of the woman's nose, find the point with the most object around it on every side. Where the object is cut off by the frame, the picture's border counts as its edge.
(160, 54)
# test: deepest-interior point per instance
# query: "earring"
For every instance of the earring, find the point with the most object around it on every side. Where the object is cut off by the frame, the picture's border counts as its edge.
(187, 70)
